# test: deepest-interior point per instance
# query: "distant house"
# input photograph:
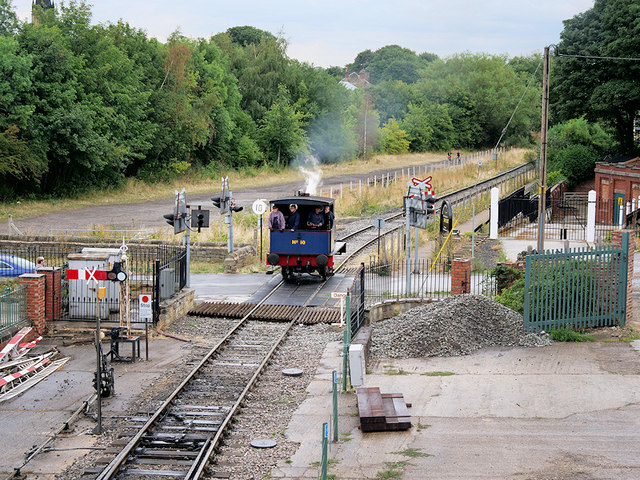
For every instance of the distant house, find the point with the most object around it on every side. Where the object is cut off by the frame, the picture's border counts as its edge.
(43, 4)
(617, 182)
(355, 80)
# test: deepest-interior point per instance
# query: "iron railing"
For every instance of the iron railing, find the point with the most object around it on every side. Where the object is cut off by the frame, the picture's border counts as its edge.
(13, 308)
(565, 218)
(356, 294)
(79, 303)
(427, 281)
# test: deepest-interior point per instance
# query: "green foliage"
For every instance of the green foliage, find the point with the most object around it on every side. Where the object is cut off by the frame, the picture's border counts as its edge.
(281, 134)
(564, 335)
(87, 106)
(575, 162)
(602, 90)
(393, 139)
(8, 18)
(574, 147)
(555, 177)
(513, 296)
(391, 62)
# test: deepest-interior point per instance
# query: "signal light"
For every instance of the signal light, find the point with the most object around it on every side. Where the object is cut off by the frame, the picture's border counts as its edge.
(216, 201)
(430, 200)
(236, 208)
(178, 222)
(169, 218)
(116, 274)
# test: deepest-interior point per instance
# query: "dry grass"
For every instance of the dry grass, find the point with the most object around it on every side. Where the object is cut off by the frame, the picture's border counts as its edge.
(363, 202)
(369, 201)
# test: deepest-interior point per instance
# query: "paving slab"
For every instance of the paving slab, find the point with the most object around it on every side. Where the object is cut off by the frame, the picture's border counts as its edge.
(566, 411)
(44, 408)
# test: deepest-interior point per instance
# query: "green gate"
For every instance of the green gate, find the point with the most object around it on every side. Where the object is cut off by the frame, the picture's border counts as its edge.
(581, 288)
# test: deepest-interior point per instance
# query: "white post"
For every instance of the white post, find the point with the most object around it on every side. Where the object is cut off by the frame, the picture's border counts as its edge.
(591, 217)
(331, 192)
(341, 190)
(621, 217)
(628, 211)
(633, 205)
(493, 226)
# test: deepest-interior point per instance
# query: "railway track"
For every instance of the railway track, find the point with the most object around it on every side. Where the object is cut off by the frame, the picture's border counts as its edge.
(394, 220)
(180, 438)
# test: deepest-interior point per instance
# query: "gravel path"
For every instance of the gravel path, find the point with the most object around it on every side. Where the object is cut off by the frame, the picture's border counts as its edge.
(457, 325)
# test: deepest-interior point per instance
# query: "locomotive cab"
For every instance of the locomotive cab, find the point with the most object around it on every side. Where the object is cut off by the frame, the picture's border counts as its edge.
(310, 248)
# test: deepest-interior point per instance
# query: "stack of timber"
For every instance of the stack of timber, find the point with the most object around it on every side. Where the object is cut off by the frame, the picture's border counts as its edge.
(382, 412)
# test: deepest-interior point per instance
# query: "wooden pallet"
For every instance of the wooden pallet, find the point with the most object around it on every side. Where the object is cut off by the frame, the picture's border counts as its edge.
(382, 412)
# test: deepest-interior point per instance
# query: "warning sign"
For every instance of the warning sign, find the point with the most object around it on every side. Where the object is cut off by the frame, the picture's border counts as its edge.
(144, 307)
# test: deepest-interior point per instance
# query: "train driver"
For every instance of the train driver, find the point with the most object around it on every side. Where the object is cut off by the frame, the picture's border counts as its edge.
(315, 219)
(293, 222)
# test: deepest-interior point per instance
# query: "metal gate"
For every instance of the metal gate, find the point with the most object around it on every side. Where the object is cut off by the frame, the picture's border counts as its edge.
(581, 288)
(357, 302)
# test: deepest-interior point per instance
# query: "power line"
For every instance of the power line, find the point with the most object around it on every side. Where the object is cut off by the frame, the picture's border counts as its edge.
(595, 57)
(504, 130)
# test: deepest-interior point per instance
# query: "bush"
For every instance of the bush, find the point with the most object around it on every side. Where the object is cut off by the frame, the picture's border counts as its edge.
(564, 335)
(513, 296)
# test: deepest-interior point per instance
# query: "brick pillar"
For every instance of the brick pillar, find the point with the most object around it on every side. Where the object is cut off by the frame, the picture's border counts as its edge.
(460, 276)
(53, 292)
(35, 283)
(616, 241)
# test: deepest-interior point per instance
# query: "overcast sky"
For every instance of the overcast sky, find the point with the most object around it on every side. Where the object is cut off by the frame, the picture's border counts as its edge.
(332, 32)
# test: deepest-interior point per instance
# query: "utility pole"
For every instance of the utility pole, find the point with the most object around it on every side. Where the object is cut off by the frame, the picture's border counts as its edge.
(543, 149)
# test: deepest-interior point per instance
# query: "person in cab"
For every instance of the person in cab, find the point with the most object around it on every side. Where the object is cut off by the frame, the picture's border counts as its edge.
(315, 219)
(293, 222)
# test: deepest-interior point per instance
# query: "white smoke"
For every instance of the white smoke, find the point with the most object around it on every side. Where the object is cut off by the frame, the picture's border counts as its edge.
(310, 168)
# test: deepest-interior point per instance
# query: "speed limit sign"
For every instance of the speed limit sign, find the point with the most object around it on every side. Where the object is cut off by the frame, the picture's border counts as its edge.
(259, 207)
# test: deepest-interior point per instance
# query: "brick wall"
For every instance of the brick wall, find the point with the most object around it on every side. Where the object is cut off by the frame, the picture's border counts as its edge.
(53, 292)
(460, 276)
(616, 240)
(35, 283)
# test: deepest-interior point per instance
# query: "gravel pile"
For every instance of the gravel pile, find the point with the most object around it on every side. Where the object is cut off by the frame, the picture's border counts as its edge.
(457, 325)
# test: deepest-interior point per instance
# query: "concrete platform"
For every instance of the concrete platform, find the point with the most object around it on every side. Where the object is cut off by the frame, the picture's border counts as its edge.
(33, 416)
(563, 412)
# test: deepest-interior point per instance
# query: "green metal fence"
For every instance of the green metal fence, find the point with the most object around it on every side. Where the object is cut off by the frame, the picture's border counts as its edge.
(580, 288)
(13, 307)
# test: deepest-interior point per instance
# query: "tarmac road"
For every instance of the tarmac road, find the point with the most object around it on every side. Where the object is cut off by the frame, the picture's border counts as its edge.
(148, 215)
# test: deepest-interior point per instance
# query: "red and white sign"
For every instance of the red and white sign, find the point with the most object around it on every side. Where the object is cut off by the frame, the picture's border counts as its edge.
(86, 274)
(144, 306)
(421, 185)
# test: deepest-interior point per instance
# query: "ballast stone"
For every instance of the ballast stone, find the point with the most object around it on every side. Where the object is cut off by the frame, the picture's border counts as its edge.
(457, 325)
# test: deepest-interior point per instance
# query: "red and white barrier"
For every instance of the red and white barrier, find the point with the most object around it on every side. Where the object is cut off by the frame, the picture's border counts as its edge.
(13, 343)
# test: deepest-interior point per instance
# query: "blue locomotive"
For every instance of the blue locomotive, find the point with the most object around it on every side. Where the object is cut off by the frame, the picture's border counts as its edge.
(306, 243)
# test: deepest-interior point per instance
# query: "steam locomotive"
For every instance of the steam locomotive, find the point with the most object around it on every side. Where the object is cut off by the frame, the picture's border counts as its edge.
(305, 249)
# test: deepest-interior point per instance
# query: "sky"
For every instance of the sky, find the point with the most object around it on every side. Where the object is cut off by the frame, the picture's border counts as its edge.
(332, 32)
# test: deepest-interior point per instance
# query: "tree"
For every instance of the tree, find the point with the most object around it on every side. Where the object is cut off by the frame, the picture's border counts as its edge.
(574, 147)
(8, 18)
(282, 136)
(247, 35)
(393, 139)
(604, 89)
